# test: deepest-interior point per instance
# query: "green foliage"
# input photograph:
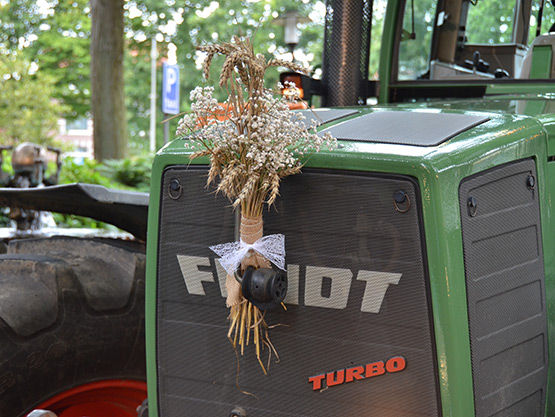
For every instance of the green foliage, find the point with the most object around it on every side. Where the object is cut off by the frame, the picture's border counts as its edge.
(28, 111)
(204, 24)
(87, 172)
(131, 172)
(5, 217)
(414, 54)
(6, 166)
(201, 23)
(57, 39)
(490, 22)
(548, 19)
(72, 221)
(62, 49)
(378, 13)
(19, 22)
(128, 174)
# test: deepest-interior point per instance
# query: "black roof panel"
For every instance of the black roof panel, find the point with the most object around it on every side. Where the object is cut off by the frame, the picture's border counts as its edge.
(405, 128)
(323, 116)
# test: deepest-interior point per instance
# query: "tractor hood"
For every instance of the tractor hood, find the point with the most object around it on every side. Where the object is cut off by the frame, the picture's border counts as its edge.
(428, 136)
(534, 105)
(541, 107)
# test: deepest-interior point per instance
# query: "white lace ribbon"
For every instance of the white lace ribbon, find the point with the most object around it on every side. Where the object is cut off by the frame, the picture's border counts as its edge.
(272, 247)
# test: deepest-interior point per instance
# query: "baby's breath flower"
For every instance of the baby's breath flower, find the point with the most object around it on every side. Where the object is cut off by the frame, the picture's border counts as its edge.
(262, 135)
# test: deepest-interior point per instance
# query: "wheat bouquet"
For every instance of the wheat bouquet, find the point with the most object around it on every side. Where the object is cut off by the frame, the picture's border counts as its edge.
(252, 140)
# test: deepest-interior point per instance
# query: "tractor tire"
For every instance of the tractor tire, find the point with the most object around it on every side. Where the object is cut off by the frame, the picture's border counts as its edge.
(71, 324)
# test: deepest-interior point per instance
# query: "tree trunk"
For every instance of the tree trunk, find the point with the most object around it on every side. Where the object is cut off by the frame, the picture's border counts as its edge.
(108, 101)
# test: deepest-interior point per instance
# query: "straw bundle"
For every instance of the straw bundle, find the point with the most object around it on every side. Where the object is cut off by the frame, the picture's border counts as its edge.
(253, 141)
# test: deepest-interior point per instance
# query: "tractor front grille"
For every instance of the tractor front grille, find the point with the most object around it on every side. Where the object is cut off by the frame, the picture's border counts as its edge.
(358, 316)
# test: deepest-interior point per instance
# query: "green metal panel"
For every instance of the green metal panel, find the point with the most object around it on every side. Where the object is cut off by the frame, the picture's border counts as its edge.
(150, 285)
(549, 259)
(541, 106)
(548, 122)
(492, 89)
(542, 57)
(439, 171)
(387, 50)
(535, 107)
(521, 87)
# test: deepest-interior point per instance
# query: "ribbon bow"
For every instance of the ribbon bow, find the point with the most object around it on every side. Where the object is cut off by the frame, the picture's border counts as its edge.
(272, 247)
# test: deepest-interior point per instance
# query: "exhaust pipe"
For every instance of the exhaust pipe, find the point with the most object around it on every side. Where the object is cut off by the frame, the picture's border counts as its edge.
(346, 52)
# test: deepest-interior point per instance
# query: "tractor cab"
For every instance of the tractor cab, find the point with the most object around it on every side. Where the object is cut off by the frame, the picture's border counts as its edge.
(436, 50)
(456, 49)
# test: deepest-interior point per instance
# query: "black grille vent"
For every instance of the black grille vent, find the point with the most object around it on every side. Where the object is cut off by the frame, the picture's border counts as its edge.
(505, 289)
(344, 238)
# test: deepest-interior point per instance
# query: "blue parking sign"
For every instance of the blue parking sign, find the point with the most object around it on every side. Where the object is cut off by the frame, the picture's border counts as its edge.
(170, 89)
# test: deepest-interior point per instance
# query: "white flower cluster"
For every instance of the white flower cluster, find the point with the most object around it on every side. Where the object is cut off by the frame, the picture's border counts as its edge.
(203, 106)
(264, 137)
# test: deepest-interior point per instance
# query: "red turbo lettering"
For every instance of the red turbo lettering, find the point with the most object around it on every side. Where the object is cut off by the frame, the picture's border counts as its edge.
(396, 364)
(354, 373)
(337, 380)
(316, 381)
(375, 369)
(343, 376)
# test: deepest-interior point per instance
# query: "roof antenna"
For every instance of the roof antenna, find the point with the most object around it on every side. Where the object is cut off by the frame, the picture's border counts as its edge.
(413, 32)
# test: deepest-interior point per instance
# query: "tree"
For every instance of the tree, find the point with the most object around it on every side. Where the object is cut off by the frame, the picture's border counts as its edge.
(198, 23)
(19, 20)
(27, 110)
(57, 38)
(108, 101)
(62, 50)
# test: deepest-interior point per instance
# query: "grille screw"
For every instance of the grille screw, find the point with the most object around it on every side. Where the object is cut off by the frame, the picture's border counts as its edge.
(399, 197)
(472, 206)
(238, 412)
(174, 185)
(531, 182)
(401, 201)
(174, 189)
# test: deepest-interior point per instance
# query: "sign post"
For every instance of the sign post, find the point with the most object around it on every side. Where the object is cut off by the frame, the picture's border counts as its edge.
(153, 57)
(170, 94)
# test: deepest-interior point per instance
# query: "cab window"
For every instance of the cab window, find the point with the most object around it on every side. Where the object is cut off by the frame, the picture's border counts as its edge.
(488, 40)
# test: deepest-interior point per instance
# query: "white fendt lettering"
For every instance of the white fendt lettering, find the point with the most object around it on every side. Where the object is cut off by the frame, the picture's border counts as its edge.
(339, 283)
(376, 286)
(192, 275)
(340, 279)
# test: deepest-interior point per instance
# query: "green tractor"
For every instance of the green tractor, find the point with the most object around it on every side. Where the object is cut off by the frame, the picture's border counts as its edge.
(420, 252)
